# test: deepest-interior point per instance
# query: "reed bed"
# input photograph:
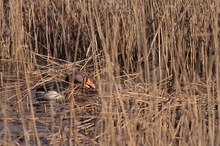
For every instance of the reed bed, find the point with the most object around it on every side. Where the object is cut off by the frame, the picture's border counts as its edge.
(155, 65)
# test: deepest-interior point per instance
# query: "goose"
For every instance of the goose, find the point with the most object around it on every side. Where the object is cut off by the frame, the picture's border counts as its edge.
(52, 90)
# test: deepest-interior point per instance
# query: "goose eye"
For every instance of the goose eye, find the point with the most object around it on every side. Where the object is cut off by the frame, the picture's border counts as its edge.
(84, 79)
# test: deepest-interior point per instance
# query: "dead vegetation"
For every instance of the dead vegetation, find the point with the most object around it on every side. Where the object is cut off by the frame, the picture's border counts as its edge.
(156, 65)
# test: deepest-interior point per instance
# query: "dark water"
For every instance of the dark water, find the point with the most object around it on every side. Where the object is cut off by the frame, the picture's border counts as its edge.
(24, 122)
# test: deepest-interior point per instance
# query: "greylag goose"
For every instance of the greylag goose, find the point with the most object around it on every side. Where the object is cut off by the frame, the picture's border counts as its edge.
(52, 90)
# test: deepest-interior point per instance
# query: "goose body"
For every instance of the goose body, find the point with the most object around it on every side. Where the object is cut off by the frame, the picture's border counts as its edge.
(52, 90)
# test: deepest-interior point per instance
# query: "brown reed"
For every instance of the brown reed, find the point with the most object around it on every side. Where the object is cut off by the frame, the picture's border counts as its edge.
(156, 65)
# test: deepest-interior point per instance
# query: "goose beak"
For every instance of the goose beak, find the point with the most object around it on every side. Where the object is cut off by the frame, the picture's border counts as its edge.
(89, 84)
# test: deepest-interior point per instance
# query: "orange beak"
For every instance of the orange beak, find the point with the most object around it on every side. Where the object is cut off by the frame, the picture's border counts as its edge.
(89, 84)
